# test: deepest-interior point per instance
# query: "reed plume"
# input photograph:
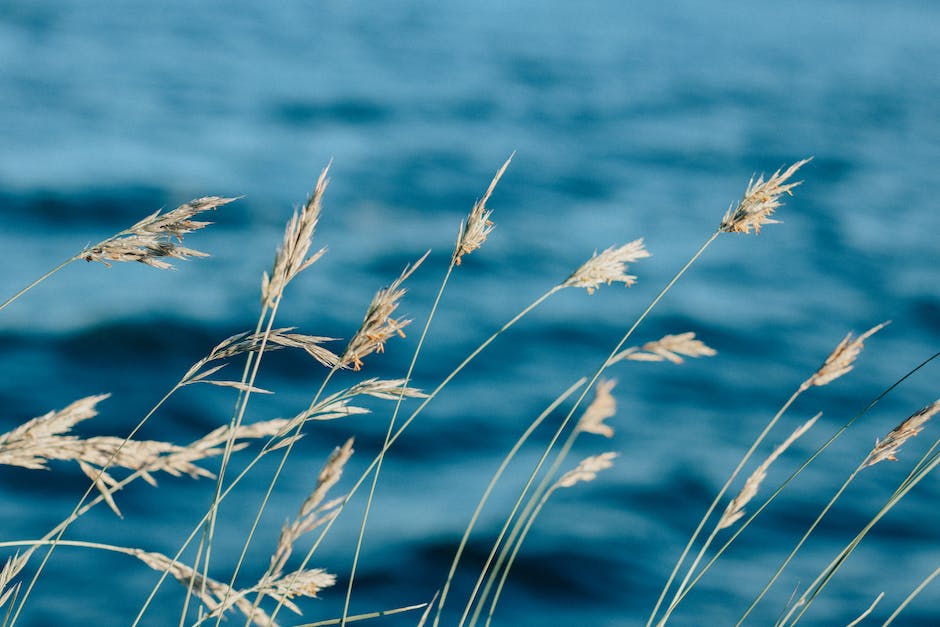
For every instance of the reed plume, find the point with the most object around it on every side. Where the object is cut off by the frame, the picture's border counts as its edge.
(668, 348)
(887, 448)
(378, 325)
(292, 256)
(842, 358)
(735, 509)
(474, 230)
(601, 408)
(157, 237)
(761, 199)
(608, 267)
(586, 470)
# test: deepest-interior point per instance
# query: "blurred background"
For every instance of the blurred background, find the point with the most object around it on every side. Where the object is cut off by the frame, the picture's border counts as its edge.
(627, 120)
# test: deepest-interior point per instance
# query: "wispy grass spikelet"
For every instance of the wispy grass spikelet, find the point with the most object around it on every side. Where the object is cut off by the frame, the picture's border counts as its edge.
(292, 256)
(607, 267)
(601, 408)
(243, 343)
(474, 231)
(313, 512)
(338, 404)
(840, 361)
(157, 237)
(378, 325)
(305, 583)
(586, 470)
(760, 200)
(885, 449)
(668, 348)
(46, 438)
(215, 595)
(11, 568)
(735, 509)
(33, 443)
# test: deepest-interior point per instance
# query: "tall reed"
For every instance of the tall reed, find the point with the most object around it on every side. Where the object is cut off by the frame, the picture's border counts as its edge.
(112, 463)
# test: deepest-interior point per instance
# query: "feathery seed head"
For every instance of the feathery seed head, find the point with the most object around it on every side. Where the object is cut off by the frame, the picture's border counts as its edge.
(840, 361)
(601, 408)
(760, 200)
(473, 232)
(668, 348)
(156, 238)
(607, 267)
(378, 325)
(587, 470)
(291, 258)
(886, 449)
(735, 509)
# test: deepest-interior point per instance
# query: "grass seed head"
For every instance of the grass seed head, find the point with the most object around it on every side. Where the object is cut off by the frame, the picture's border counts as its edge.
(761, 199)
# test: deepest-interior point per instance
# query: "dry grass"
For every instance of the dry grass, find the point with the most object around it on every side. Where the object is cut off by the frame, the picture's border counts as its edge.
(111, 463)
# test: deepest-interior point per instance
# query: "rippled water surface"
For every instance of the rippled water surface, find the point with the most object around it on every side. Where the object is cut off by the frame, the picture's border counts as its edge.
(627, 120)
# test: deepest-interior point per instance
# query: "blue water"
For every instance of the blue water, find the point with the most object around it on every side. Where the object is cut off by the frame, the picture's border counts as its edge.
(627, 120)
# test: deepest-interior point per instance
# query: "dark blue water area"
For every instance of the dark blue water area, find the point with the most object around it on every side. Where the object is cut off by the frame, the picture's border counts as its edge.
(627, 120)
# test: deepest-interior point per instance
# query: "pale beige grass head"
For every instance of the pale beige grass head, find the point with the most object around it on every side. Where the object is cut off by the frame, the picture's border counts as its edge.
(609, 266)
(761, 199)
(157, 237)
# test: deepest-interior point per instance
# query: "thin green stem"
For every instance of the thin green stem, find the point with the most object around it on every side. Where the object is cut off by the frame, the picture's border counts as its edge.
(907, 600)
(524, 521)
(923, 468)
(799, 545)
(358, 617)
(489, 488)
(13, 298)
(714, 504)
(208, 533)
(388, 435)
(273, 483)
(237, 418)
(740, 529)
(515, 551)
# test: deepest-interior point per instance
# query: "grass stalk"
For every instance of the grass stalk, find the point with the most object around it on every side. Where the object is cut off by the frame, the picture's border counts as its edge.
(924, 467)
(391, 428)
(29, 287)
(805, 464)
(591, 382)
(489, 488)
(910, 597)
(433, 394)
